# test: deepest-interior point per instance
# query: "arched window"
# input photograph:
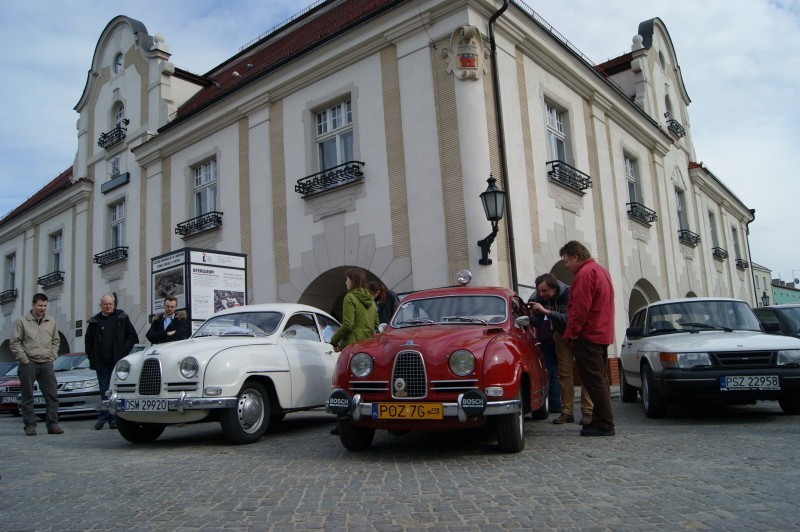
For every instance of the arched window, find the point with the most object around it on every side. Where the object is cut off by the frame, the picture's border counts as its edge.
(119, 114)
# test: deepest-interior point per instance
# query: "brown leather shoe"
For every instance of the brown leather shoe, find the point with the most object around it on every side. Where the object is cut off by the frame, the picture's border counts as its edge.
(55, 429)
(564, 418)
(30, 430)
(586, 419)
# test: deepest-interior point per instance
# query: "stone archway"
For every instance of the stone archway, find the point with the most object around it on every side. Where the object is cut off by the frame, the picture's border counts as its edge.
(643, 292)
(327, 291)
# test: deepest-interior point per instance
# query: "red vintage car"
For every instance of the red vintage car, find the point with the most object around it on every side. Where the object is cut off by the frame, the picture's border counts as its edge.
(451, 358)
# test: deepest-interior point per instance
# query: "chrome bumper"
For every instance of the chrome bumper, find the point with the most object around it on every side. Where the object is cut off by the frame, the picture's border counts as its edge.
(180, 404)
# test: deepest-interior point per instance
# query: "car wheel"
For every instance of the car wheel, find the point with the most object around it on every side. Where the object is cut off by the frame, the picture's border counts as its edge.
(139, 432)
(542, 413)
(627, 392)
(248, 420)
(790, 405)
(354, 438)
(510, 432)
(654, 404)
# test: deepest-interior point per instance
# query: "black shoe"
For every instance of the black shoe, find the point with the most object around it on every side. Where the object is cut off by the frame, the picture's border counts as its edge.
(112, 425)
(591, 430)
(99, 425)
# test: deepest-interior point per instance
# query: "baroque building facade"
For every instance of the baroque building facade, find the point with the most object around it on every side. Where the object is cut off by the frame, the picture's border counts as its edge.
(361, 133)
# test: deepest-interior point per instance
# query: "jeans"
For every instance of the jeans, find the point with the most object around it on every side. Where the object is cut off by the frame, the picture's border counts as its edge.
(104, 381)
(591, 360)
(43, 373)
(550, 360)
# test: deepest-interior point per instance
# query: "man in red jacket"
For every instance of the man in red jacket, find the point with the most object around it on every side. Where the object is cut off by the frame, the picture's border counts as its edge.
(590, 330)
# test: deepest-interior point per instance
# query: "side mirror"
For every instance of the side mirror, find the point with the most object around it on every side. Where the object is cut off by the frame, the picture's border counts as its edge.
(634, 332)
(289, 333)
(382, 327)
(523, 322)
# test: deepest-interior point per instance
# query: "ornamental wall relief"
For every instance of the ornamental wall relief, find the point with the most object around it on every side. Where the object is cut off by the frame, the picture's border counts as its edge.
(467, 57)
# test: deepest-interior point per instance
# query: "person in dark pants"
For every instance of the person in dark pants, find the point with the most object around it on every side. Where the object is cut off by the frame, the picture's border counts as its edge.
(110, 336)
(169, 326)
(590, 330)
(34, 342)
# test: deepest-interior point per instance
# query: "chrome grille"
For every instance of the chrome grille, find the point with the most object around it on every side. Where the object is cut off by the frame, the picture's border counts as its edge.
(150, 378)
(409, 366)
(459, 386)
(369, 386)
(744, 359)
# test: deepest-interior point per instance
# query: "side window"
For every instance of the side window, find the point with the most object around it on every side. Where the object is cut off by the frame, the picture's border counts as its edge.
(638, 319)
(301, 327)
(334, 135)
(558, 142)
(632, 176)
(766, 316)
(205, 188)
(329, 327)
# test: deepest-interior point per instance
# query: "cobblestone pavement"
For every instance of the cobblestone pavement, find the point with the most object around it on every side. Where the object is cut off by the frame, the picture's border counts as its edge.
(715, 468)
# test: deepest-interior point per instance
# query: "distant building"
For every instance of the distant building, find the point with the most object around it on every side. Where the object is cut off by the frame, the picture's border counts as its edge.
(762, 280)
(784, 292)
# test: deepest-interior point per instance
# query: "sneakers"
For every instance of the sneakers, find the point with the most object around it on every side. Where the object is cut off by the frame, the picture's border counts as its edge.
(99, 425)
(30, 430)
(564, 418)
(55, 429)
(591, 430)
(586, 419)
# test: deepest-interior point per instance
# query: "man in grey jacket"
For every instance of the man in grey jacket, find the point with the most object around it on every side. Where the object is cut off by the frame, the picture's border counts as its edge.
(34, 341)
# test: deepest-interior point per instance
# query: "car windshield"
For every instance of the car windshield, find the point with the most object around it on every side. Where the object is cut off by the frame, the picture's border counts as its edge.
(241, 324)
(6, 367)
(466, 309)
(66, 363)
(700, 315)
(792, 315)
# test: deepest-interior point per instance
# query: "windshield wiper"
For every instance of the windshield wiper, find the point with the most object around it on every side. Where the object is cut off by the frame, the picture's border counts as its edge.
(707, 326)
(656, 332)
(464, 319)
(416, 322)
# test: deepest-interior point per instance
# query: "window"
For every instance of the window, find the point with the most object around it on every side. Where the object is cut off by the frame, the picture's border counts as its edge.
(735, 235)
(11, 271)
(56, 247)
(757, 283)
(119, 115)
(712, 223)
(335, 135)
(205, 188)
(557, 138)
(680, 202)
(117, 216)
(631, 173)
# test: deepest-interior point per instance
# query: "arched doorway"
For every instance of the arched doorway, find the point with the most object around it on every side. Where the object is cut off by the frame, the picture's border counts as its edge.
(327, 291)
(643, 292)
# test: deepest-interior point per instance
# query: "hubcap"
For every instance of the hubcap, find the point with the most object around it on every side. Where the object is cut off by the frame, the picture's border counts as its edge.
(250, 411)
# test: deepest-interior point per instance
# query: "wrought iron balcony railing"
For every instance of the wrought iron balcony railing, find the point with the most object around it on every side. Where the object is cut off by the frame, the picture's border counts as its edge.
(51, 279)
(8, 296)
(719, 254)
(640, 213)
(209, 220)
(343, 174)
(113, 137)
(111, 255)
(562, 173)
(688, 238)
(742, 264)
(675, 128)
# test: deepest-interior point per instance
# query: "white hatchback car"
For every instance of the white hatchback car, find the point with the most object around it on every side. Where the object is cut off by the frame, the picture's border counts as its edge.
(707, 349)
(244, 367)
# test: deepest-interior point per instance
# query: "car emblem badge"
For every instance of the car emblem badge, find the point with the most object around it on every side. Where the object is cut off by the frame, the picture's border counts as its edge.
(400, 388)
(410, 343)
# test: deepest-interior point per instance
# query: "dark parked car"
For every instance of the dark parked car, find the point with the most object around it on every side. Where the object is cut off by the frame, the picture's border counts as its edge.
(780, 319)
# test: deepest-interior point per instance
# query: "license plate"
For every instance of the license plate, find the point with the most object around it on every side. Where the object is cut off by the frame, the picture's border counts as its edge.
(143, 405)
(407, 411)
(750, 382)
(9, 399)
(39, 401)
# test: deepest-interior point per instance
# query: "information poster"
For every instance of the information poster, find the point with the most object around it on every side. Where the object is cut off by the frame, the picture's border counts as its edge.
(214, 289)
(168, 279)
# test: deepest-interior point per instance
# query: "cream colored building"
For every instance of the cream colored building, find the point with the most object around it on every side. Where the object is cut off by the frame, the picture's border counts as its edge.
(398, 98)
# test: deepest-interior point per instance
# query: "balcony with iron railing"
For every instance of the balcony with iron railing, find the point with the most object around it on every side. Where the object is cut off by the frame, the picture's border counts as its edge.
(688, 238)
(198, 224)
(51, 279)
(110, 256)
(113, 137)
(330, 179)
(564, 174)
(719, 254)
(741, 264)
(640, 213)
(8, 296)
(675, 128)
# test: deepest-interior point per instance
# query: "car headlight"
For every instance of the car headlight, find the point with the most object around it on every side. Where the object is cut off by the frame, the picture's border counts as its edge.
(684, 360)
(123, 369)
(788, 357)
(189, 367)
(462, 362)
(361, 365)
(80, 385)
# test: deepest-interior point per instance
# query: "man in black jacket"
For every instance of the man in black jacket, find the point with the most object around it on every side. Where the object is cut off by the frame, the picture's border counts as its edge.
(109, 338)
(169, 326)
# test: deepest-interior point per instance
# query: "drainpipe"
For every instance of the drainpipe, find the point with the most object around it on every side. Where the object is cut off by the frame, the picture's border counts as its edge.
(747, 239)
(501, 139)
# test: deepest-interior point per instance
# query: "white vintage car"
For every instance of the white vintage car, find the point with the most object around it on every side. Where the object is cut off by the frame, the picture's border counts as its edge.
(706, 349)
(244, 367)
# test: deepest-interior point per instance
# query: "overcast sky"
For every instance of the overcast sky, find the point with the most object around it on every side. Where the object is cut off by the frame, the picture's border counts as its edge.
(740, 61)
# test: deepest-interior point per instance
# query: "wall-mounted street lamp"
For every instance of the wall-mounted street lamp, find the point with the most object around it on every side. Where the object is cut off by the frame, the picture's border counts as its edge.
(494, 202)
(764, 299)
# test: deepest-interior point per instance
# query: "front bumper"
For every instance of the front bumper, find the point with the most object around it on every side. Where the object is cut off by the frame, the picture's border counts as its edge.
(357, 409)
(179, 404)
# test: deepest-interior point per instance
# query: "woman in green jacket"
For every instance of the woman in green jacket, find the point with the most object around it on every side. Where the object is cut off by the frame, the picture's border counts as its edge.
(359, 313)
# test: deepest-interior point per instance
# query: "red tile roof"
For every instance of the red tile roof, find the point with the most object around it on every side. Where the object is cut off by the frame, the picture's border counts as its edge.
(279, 47)
(62, 182)
(616, 64)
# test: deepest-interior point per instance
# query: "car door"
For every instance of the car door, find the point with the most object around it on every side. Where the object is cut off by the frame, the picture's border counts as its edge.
(311, 360)
(629, 353)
